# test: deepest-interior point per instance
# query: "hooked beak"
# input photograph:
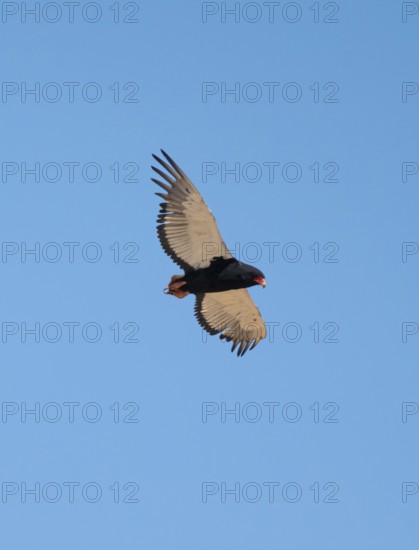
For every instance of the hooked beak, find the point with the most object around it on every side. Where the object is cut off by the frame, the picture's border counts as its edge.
(260, 281)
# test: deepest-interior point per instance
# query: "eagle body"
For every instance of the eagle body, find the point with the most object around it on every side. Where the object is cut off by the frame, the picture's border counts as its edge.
(188, 233)
(220, 276)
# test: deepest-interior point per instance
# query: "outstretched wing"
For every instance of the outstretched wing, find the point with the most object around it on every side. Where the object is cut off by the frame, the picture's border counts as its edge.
(234, 314)
(186, 228)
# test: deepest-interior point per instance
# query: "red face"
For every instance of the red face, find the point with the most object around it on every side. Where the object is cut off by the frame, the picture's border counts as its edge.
(259, 280)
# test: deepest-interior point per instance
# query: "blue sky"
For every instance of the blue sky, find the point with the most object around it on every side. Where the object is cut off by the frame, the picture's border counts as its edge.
(130, 442)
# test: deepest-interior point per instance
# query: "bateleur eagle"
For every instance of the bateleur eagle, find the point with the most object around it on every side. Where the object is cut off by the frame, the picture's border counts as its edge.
(188, 233)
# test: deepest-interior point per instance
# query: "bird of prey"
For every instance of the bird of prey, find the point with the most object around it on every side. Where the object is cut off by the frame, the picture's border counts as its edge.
(188, 233)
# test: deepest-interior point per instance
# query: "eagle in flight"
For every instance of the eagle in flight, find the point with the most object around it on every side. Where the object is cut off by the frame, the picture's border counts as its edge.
(188, 233)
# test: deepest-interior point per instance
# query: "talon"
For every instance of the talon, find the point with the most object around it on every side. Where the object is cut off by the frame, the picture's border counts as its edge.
(174, 288)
